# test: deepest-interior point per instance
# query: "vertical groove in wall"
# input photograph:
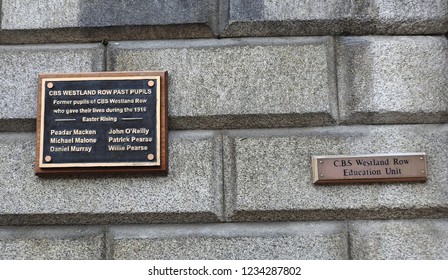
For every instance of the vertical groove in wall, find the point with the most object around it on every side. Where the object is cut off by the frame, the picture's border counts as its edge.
(223, 16)
(217, 180)
(107, 244)
(1, 14)
(335, 75)
(104, 244)
(230, 174)
(213, 11)
(349, 243)
(105, 54)
(223, 190)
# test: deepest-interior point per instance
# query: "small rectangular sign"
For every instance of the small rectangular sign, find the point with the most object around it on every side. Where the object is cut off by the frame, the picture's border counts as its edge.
(102, 122)
(369, 168)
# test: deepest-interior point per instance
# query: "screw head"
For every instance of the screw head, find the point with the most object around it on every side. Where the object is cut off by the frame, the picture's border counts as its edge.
(150, 156)
(151, 83)
(50, 85)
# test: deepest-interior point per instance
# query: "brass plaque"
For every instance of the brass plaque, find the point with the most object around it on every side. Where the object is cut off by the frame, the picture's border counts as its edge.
(102, 123)
(369, 168)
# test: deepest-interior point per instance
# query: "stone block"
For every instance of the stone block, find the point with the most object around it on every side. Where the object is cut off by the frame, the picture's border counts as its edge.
(239, 83)
(192, 192)
(51, 14)
(295, 18)
(412, 16)
(51, 243)
(386, 80)
(307, 240)
(85, 20)
(20, 66)
(323, 17)
(268, 174)
(399, 239)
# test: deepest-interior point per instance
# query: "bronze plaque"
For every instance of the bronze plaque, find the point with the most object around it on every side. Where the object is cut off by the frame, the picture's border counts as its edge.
(102, 123)
(369, 168)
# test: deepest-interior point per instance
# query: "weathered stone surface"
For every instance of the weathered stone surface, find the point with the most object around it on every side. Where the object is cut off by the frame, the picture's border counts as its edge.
(268, 174)
(235, 83)
(412, 16)
(400, 239)
(45, 14)
(193, 18)
(393, 79)
(87, 21)
(84, 13)
(192, 191)
(323, 17)
(57, 243)
(20, 66)
(308, 240)
(277, 18)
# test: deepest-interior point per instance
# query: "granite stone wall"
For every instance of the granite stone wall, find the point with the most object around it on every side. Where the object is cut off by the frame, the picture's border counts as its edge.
(255, 89)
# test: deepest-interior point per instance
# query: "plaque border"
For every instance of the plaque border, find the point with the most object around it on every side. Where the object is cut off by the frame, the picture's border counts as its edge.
(159, 167)
(316, 179)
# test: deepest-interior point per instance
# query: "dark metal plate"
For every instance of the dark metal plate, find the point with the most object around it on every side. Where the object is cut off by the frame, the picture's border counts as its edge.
(111, 121)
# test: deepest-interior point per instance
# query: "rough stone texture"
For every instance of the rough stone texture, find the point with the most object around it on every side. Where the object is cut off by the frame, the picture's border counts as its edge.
(276, 18)
(312, 240)
(57, 243)
(45, 14)
(234, 83)
(268, 174)
(85, 13)
(323, 17)
(84, 20)
(191, 192)
(401, 239)
(393, 79)
(412, 16)
(20, 66)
